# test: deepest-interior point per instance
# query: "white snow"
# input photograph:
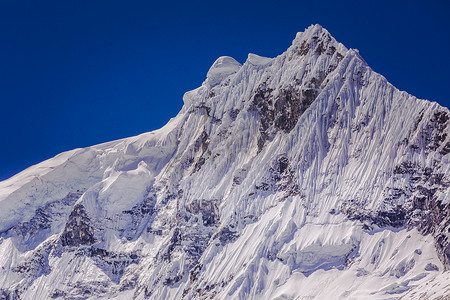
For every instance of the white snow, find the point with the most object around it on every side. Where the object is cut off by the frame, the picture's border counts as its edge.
(341, 152)
(223, 67)
(257, 60)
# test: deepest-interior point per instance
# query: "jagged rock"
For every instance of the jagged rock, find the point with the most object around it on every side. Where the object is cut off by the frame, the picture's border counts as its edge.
(225, 236)
(114, 264)
(281, 179)
(33, 232)
(209, 209)
(78, 230)
(175, 240)
(431, 267)
(402, 268)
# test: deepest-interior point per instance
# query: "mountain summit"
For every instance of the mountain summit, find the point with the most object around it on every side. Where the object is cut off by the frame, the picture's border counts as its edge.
(306, 175)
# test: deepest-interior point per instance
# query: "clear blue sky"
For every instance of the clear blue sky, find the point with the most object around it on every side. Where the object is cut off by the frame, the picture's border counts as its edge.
(78, 73)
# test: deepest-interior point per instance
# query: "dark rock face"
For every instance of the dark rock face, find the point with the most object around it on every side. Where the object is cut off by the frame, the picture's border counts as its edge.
(396, 217)
(37, 265)
(402, 268)
(40, 221)
(142, 216)
(290, 105)
(208, 290)
(262, 102)
(422, 208)
(202, 144)
(431, 267)
(280, 113)
(437, 126)
(437, 222)
(193, 274)
(284, 177)
(280, 110)
(78, 230)
(234, 113)
(7, 295)
(225, 235)
(112, 263)
(319, 45)
(31, 236)
(81, 291)
(432, 134)
(175, 241)
(209, 209)
(281, 179)
(57, 293)
(33, 232)
(192, 240)
(420, 191)
(202, 108)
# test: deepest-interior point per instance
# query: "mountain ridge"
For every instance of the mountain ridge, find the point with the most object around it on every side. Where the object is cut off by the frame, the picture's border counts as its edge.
(293, 171)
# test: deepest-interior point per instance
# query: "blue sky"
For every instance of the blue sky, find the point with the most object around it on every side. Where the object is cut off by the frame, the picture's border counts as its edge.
(78, 73)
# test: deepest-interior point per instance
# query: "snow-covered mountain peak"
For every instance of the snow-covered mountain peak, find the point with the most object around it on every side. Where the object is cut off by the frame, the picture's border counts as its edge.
(306, 175)
(308, 33)
(318, 39)
(223, 67)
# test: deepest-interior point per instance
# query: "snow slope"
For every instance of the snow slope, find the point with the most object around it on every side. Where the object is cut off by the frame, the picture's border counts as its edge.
(305, 176)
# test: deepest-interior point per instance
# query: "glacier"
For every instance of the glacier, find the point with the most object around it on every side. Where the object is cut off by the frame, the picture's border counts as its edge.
(304, 176)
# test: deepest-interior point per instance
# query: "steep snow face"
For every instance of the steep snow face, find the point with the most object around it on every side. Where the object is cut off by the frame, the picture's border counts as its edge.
(304, 175)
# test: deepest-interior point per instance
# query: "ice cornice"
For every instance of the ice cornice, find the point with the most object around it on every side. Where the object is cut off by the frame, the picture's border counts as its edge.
(223, 67)
(256, 60)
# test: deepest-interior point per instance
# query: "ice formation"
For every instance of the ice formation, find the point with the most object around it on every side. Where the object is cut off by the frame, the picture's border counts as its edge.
(304, 176)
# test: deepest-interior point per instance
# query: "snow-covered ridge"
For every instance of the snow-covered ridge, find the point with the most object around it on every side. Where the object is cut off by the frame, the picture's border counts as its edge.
(304, 175)
(223, 67)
